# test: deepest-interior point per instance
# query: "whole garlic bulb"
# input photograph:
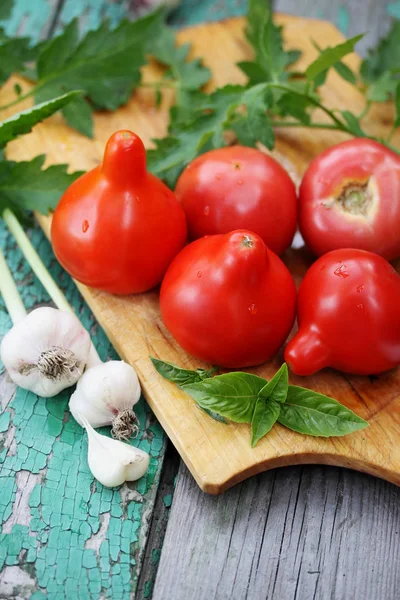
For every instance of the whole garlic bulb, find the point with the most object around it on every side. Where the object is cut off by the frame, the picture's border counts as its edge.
(105, 395)
(46, 351)
(112, 462)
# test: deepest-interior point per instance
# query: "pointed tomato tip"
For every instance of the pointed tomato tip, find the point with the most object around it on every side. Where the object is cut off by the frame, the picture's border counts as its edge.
(306, 353)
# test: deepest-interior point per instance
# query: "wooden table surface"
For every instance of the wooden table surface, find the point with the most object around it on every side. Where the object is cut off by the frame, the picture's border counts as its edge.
(301, 533)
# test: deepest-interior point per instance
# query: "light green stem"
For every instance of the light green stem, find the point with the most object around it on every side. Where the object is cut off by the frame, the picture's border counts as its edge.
(10, 293)
(36, 262)
(42, 273)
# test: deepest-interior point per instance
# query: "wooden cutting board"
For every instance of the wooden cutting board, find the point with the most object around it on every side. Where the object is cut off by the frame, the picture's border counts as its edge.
(220, 455)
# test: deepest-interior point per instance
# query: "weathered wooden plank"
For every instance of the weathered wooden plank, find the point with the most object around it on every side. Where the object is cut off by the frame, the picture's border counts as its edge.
(352, 17)
(295, 533)
(27, 18)
(51, 512)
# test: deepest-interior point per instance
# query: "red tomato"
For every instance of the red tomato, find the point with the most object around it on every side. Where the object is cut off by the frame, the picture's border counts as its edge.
(348, 314)
(350, 198)
(237, 187)
(228, 300)
(118, 227)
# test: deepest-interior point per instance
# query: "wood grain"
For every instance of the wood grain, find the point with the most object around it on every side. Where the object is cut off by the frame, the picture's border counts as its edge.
(217, 455)
(298, 533)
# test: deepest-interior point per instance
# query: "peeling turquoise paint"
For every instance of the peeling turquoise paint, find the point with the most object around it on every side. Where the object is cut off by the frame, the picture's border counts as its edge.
(343, 19)
(82, 540)
(393, 9)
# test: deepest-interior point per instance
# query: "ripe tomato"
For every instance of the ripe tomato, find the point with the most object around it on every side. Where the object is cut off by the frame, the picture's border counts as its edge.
(350, 198)
(348, 314)
(238, 187)
(228, 300)
(118, 227)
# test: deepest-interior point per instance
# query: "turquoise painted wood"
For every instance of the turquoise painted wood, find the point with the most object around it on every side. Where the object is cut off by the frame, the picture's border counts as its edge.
(63, 535)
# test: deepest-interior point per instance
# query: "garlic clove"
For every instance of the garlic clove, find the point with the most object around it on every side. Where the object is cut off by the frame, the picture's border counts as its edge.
(112, 462)
(46, 351)
(104, 394)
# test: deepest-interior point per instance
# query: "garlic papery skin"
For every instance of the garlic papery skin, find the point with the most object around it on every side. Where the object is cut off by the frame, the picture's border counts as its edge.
(105, 395)
(113, 462)
(46, 351)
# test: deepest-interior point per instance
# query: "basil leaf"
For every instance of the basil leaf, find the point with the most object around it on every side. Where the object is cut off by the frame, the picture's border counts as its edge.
(176, 374)
(265, 415)
(232, 395)
(277, 388)
(330, 56)
(214, 415)
(314, 414)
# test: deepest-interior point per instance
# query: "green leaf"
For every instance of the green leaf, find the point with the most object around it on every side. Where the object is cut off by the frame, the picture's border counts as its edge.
(6, 7)
(330, 56)
(266, 40)
(188, 75)
(199, 126)
(353, 123)
(255, 126)
(383, 88)
(105, 64)
(384, 58)
(397, 106)
(25, 186)
(265, 416)
(314, 414)
(174, 373)
(277, 388)
(78, 115)
(340, 67)
(182, 377)
(14, 53)
(231, 395)
(268, 404)
(24, 121)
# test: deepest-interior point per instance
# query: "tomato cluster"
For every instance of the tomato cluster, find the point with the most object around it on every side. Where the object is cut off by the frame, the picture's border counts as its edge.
(226, 297)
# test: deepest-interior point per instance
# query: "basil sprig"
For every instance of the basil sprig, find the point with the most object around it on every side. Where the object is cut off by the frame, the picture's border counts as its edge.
(246, 398)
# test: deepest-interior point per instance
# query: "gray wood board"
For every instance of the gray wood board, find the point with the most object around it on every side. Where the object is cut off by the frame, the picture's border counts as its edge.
(352, 16)
(295, 533)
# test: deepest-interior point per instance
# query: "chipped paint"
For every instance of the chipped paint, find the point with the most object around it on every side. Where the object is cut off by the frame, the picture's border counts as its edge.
(65, 534)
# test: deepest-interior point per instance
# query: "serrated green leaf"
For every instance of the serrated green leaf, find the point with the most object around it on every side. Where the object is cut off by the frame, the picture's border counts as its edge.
(255, 126)
(14, 53)
(6, 7)
(340, 67)
(397, 106)
(24, 121)
(266, 40)
(330, 56)
(199, 126)
(384, 58)
(265, 416)
(188, 75)
(105, 64)
(25, 186)
(353, 123)
(78, 115)
(314, 414)
(231, 395)
(382, 89)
